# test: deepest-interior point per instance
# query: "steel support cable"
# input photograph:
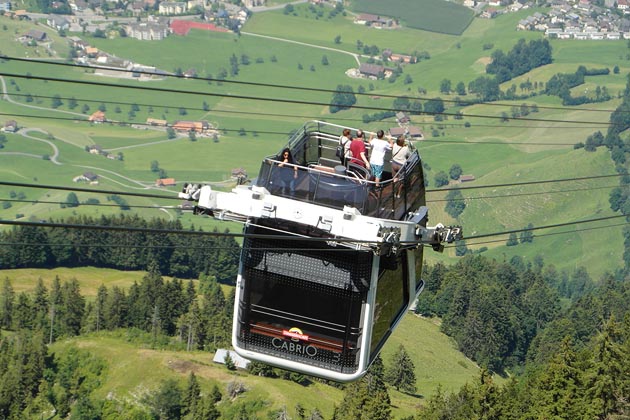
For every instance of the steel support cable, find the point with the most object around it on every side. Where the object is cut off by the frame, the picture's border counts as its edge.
(541, 235)
(141, 195)
(15, 200)
(475, 187)
(286, 133)
(289, 87)
(173, 246)
(311, 117)
(526, 194)
(261, 236)
(68, 204)
(556, 225)
(288, 101)
(87, 190)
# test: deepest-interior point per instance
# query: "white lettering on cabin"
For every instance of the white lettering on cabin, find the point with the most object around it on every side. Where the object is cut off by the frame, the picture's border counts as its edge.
(292, 347)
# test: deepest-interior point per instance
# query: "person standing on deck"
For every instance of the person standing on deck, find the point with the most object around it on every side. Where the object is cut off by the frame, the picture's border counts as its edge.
(377, 157)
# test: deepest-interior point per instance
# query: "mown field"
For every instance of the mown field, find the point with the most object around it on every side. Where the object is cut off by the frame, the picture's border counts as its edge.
(428, 15)
(537, 147)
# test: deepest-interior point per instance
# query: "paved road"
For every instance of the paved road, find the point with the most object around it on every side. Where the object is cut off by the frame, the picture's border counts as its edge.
(276, 7)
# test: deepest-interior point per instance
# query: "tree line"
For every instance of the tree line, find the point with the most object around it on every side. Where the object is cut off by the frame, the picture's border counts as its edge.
(131, 243)
(503, 315)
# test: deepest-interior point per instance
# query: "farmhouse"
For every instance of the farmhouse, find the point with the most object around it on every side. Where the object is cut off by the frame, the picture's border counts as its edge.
(238, 173)
(86, 177)
(165, 182)
(411, 131)
(402, 58)
(10, 126)
(197, 126)
(466, 178)
(94, 149)
(5, 6)
(373, 71)
(97, 117)
(402, 118)
(156, 122)
(372, 20)
(36, 35)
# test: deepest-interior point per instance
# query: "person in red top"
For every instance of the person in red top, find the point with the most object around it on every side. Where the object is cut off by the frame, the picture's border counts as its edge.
(358, 151)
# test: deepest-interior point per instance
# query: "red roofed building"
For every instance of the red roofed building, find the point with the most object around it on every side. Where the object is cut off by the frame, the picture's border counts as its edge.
(182, 27)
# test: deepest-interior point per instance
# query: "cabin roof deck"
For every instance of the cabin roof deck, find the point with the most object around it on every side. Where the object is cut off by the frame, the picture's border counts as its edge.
(318, 177)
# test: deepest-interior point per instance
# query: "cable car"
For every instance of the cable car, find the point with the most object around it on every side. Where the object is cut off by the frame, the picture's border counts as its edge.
(330, 261)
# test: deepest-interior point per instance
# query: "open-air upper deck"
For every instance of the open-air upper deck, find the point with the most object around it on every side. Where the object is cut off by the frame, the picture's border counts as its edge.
(318, 177)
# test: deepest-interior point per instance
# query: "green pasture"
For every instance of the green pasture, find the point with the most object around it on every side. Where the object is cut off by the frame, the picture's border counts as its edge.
(530, 148)
(12, 29)
(429, 15)
(544, 205)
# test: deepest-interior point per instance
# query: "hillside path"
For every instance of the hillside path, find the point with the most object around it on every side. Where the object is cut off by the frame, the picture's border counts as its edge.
(354, 55)
(53, 158)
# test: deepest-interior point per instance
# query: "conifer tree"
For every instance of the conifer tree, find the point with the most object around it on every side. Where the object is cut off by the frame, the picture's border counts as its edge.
(558, 393)
(400, 373)
(192, 394)
(7, 301)
(607, 378)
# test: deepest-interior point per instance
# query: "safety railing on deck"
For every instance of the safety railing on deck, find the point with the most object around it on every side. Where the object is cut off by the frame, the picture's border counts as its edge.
(321, 178)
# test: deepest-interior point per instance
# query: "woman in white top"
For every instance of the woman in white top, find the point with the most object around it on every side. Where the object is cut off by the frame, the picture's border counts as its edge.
(377, 154)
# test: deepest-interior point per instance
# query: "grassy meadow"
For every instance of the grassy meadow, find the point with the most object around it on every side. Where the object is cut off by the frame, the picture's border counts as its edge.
(428, 15)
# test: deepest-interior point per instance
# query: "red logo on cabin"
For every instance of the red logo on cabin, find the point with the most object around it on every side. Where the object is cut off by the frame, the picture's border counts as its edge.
(295, 333)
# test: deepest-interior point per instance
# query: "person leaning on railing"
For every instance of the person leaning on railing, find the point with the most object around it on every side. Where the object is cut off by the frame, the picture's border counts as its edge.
(400, 154)
(288, 171)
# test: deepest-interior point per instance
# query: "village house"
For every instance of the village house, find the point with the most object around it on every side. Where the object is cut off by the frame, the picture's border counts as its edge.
(466, 178)
(76, 42)
(173, 8)
(5, 6)
(147, 31)
(58, 22)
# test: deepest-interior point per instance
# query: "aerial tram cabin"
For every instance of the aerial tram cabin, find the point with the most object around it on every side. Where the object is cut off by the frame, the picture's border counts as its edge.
(330, 262)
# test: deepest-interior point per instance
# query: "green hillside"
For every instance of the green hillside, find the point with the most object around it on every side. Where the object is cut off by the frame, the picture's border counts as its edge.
(256, 119)
(134, 371)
